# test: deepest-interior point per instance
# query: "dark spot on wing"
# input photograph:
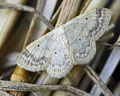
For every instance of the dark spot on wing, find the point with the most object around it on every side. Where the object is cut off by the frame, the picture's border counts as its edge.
(86, 18)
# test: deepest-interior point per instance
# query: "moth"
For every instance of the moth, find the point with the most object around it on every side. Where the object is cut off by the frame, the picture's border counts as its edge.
(73, 43)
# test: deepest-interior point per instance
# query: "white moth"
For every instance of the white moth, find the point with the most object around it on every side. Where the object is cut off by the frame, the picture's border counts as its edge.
(73, 43)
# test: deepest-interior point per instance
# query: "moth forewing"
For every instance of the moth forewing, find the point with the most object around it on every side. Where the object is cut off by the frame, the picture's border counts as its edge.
(36, 55)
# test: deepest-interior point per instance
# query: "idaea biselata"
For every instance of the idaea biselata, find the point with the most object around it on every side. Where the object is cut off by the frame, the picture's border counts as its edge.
(73, 43)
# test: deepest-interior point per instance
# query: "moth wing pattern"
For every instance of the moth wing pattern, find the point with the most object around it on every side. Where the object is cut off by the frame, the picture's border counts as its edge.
(47, 53)
(60, 63)
(81, 48)
(36, 55)
(91, 24)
